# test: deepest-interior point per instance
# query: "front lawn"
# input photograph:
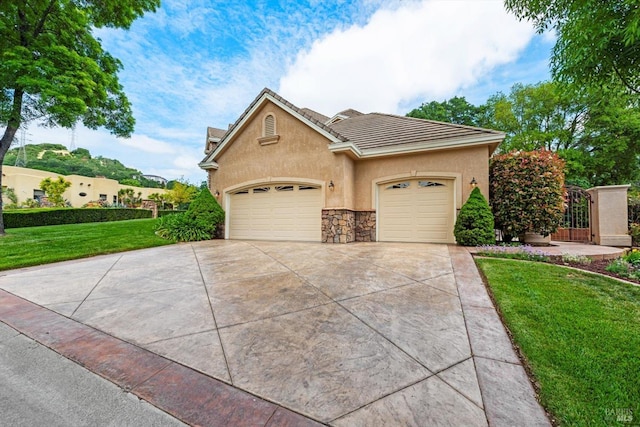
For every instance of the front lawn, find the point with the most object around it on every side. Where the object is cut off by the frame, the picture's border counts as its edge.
(23, 247)
(580, 334)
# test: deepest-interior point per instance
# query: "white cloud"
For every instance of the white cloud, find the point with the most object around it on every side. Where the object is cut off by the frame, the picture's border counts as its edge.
(420, 50)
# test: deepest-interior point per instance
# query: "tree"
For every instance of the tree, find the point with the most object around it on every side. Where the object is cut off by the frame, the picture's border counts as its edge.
(598, 41)
(53, 69)
(542, 116)
(456, 110)
(182, 192)
(55, 189)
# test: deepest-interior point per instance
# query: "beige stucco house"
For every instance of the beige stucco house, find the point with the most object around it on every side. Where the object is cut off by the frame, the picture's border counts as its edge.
(25, 183)
(286, 173)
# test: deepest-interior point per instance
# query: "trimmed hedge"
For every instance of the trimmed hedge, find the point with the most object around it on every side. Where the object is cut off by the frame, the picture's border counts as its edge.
(36, 218)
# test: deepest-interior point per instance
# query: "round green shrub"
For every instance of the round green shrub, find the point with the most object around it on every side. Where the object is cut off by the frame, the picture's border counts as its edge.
(474, 225)
(206, 210)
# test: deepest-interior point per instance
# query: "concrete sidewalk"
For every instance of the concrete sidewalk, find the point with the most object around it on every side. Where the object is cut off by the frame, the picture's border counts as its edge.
(268, 333)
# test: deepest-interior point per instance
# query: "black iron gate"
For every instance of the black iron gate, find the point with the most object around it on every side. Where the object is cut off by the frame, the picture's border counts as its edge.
(576, 223)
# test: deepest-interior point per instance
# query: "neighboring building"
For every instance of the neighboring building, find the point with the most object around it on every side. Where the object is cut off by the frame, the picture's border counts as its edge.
(26, 184)
(285, 173)
(156, 178)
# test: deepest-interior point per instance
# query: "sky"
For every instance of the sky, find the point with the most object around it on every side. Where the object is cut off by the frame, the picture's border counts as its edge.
(199, 63)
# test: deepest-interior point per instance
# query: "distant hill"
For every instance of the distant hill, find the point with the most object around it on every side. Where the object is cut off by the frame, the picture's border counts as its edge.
(56, 158)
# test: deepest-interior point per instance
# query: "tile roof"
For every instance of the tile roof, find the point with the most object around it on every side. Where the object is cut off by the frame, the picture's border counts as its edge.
(215, 132)
(318, 116)
(376, 130)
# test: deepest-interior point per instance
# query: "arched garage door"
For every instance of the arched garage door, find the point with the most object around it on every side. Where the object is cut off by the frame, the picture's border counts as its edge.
(416, 210)
(276, 212)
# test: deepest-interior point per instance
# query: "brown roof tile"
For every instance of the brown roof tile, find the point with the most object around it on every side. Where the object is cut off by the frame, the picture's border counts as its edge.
(376, 130)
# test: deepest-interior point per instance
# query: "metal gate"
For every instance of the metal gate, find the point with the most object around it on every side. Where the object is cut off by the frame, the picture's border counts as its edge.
(576, 223)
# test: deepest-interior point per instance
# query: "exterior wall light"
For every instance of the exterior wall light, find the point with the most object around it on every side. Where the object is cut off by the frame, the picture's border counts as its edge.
(331, 186)
(474, 183)
(217, 194)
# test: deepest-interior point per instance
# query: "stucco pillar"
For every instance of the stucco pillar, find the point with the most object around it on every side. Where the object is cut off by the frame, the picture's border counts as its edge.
(609, 215)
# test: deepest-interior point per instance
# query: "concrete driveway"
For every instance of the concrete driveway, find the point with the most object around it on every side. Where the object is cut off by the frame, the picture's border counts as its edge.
(359, 334)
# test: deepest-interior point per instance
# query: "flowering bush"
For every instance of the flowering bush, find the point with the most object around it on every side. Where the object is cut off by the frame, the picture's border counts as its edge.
(527, 192)
(627, 265)
(524, 252)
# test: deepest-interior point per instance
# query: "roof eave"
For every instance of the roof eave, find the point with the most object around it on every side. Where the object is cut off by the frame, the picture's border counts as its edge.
(491, 140)
(208, 165)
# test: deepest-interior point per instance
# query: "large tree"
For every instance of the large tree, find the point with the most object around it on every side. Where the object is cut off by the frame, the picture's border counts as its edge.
(598, 40)
(55, 71)
(455, 110)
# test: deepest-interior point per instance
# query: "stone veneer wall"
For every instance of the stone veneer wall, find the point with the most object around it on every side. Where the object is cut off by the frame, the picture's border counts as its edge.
(338, 226)
(346, 226)
(366, 226)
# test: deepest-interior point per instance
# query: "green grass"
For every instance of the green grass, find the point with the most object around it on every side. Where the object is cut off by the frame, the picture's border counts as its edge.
(580, 334)
(23, 247)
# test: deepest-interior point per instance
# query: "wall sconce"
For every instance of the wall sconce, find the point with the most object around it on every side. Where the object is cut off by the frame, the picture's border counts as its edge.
(474, 183)
(331, 186)
(217, 194)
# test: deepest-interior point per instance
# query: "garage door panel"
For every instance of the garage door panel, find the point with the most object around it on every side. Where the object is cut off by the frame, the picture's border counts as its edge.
(276, 212)
(417, 210)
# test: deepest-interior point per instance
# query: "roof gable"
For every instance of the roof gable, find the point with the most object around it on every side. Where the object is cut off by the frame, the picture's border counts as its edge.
(265, 96)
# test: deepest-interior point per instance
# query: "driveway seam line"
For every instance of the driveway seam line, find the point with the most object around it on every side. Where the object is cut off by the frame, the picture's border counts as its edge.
(96, 285)
(466, 324)
(213, 315)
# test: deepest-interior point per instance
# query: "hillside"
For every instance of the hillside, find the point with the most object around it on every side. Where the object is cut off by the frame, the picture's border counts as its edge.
(56, 158)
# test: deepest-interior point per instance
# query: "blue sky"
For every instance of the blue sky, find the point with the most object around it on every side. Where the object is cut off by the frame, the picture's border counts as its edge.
(199, 63)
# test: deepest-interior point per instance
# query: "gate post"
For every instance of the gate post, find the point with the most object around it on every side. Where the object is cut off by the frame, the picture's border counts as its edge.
(610, 223)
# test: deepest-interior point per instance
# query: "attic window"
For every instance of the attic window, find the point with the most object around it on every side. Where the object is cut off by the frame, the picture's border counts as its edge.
(269, 125)
(269, 135)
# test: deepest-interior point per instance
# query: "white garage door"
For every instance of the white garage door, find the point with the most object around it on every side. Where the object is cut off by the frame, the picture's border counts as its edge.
(417, 210)
(276, 212)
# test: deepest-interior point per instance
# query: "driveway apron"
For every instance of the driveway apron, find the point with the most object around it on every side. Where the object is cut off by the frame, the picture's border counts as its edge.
(345, 335)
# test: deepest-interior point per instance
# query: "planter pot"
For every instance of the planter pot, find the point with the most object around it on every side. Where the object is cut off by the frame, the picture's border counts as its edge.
(535, 239)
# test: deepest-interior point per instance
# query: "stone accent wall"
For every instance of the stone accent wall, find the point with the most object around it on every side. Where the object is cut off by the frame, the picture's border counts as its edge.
(346, 226)
(152, 206)
(338, 226)
(366, 226)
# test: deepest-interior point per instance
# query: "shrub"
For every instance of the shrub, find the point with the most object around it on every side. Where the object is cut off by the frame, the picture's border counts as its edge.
(183, 228)
(634, 232)
(474, 225)
(199, 222)
(37, 217)
(206, 209)
(527, 192)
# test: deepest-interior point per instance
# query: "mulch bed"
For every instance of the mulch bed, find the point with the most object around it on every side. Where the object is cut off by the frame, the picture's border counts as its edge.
(595, 267)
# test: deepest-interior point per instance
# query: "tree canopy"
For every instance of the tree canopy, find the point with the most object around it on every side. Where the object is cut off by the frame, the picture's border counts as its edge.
(53, 69)
(596, 132)
(598, 41)
(455, 110)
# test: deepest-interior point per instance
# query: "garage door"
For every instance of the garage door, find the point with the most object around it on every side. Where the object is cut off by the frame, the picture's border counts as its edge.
(276, 212)
(419, 210)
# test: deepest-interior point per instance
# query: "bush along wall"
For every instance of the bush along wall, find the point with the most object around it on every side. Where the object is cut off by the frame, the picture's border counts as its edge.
(474, 225)
(199, 222)
(36, 218)
(527, 192)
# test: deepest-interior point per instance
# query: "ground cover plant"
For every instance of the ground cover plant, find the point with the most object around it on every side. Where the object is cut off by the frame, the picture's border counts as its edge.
(579, 335)
(23, 247)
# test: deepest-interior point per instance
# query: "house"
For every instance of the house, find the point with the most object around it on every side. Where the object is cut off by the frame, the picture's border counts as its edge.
(286, 173)
(25, 183)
